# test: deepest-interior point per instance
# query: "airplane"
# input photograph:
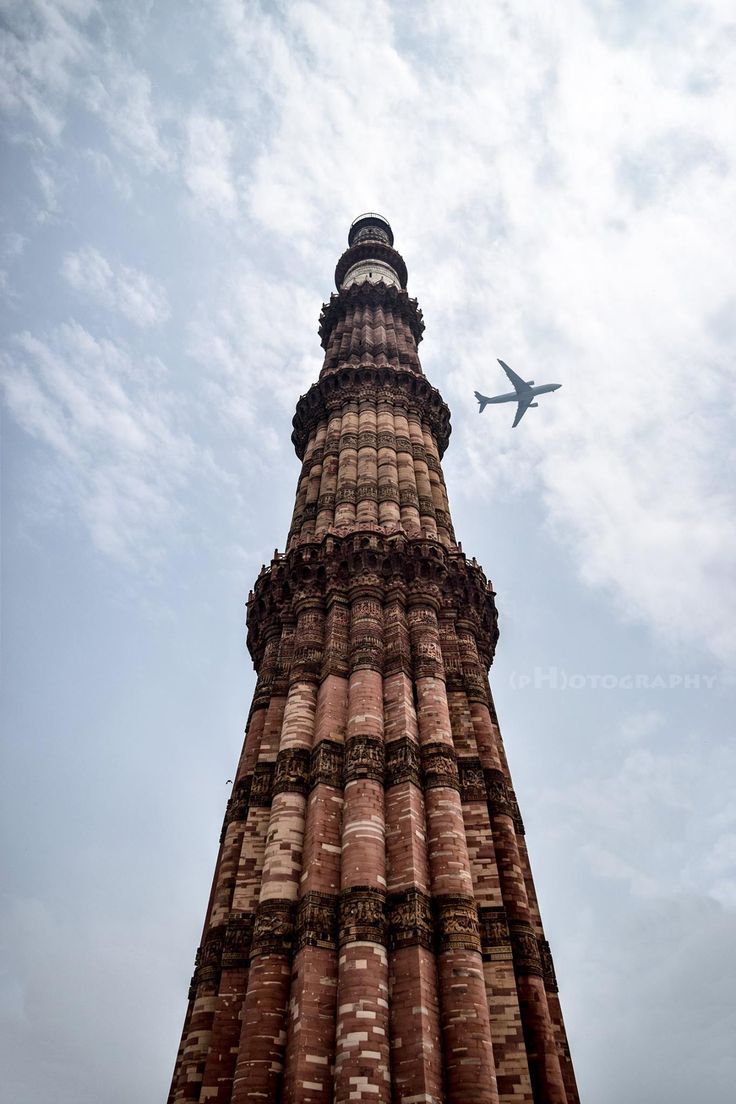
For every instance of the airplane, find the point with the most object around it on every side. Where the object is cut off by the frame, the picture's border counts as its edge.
(523, 393)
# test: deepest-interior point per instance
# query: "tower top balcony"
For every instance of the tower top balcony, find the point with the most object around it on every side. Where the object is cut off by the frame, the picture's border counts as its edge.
(370, 226)
(370, 256)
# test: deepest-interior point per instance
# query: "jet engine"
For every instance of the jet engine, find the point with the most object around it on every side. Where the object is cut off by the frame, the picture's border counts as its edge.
(533, 404)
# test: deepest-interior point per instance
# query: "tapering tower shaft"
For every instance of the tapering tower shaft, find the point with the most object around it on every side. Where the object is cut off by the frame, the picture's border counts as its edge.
(373, 932)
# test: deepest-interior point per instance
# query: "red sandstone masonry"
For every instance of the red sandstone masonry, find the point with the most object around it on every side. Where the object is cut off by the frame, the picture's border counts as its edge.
(416, 1049)
(362, 1050)
(468, 1053)
(363, 883)
(310, 1053)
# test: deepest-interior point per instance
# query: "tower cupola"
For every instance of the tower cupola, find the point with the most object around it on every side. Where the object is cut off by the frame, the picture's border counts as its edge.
(370, 256)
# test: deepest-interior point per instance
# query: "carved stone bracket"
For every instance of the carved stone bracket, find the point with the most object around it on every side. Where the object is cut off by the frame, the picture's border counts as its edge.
(402, 762)
(379, 565)
(366, 381)
(410, 920)
(362, 915)
(456, 923)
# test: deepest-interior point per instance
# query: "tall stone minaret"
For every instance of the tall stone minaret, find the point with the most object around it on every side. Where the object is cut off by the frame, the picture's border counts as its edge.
(372, 934)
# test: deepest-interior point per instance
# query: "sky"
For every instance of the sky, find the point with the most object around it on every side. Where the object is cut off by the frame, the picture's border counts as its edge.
(179, 179)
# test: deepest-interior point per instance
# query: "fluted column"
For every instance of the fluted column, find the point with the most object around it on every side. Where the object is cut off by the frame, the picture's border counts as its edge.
(466, 1032)
(416, 1048)
(362, 1052)
(408, 496)
(544, 1064)
(261, 1054)
(310, 1052)
(347, 472)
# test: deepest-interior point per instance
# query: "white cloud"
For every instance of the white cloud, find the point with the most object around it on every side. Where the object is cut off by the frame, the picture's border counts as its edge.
(561, 195)
(122, 96)
(207, 168)
(44, 43)
(56, 55)
(134, 294)
(112, 425)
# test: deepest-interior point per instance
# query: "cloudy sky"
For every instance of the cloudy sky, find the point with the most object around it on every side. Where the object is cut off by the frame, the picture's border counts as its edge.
(179, 180)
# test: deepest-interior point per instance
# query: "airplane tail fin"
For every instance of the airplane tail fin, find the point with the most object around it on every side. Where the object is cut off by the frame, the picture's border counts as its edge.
(482, 400)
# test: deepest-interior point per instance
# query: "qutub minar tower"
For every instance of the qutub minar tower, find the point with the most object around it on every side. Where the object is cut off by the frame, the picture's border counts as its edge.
(373, 933)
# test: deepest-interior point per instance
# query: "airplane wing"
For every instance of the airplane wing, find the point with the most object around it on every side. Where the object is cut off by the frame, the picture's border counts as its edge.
(520, 385)
(524, 403)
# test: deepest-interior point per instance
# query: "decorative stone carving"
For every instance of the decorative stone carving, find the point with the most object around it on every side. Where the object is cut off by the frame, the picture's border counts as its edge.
(402, 762)
(316, 920)
(292, 771)
(456, 923)
(362, 915)
(388, 491)
(525, 948)
(410, 919)
(238, 937)
(548, 967)
(348, 441)
(367, 491)
(261, 788)
(237, 806)
(472, 782)
(439, 766)
(408, 496)
(498, 794)
(209, 961)
(327, 764)
(273, 931)
(364, 758)
(495, 941)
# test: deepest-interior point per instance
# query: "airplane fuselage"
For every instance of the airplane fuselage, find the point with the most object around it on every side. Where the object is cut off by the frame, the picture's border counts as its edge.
(513, 396)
